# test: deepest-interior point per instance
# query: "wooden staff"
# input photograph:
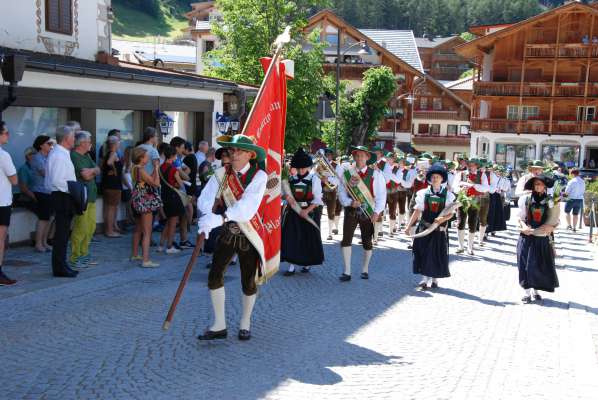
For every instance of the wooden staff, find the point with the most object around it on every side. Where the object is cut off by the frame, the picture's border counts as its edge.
(177, 297)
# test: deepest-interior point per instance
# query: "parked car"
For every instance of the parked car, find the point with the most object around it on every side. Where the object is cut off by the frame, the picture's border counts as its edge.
(589, 173)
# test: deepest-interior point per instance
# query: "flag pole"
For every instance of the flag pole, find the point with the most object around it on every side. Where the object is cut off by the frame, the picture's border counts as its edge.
(280, 41)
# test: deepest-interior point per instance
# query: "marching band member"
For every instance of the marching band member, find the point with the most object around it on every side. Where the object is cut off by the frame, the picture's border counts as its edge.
(535, 168)
(407, 177)
(475, 183)
(430, 252)
(535, 257)
(484, 202)
(382, 165)
(245, 155)
(370, 184)
(496, 217)
(330, 197)
(301, 239)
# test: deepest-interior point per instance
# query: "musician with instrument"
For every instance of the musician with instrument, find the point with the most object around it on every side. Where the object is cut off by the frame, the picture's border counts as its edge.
(301, 239)
(363, 194)
(475, 184)
(430, 252)
(407, 177)
(326, 168)
(240, 188)
(385, 166)
(393, 185)
(538, 217)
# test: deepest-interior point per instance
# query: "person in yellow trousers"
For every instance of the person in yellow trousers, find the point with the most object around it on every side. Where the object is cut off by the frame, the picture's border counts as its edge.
(84, 225)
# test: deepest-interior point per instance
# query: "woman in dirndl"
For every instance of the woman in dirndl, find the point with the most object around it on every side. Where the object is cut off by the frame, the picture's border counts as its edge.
(496, 211)
(430, 252)
(535, 256)
(301, 240)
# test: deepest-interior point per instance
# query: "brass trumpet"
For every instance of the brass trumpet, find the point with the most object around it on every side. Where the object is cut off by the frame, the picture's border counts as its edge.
(324, 169)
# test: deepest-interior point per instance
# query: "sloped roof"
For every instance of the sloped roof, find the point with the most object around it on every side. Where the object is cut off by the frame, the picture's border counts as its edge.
(400, 43)
(460, 84)
(430, 43)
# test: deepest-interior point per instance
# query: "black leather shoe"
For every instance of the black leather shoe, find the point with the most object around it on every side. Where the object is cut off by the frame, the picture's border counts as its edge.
(526, 300)
(212, 335)
(289, 273)
(434, 285)
(345, 278)
(244, 334)
(66, 274)
(364, 275)
(422, 286)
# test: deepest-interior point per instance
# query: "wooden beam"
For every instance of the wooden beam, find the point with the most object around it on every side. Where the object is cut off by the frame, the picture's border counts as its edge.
(554, 70)
(588, 65)
(522, 80)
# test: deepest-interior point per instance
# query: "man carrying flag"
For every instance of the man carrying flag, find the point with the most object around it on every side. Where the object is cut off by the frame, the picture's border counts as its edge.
(251, 197)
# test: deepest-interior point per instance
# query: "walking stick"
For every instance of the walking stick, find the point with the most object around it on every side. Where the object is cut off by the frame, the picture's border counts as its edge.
(177, 297)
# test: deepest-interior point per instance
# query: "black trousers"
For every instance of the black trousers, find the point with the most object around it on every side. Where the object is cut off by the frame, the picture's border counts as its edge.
(62, 203)
(353, 218)
(229, 243)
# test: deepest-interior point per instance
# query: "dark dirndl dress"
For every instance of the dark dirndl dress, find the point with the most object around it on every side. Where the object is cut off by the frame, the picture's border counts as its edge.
(431, 252)
(507, 211)
(496, 217)
(535, 257)
(301, 241)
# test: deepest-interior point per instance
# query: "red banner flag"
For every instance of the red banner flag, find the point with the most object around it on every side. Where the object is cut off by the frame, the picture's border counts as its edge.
(267, 123)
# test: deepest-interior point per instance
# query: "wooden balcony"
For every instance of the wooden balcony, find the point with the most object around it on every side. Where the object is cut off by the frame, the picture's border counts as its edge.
(560, 125)
(565, 50)
(534, 89)
(444, 139)
(353, 72)
(448, 57)
(388, 125)
(437, 114)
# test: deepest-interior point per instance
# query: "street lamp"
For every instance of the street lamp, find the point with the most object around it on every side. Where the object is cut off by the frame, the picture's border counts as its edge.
(365, 50)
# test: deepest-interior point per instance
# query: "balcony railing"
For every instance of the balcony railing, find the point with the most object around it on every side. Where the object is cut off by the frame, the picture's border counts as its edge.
(560, 125)
(349, 71)
(388, 125)
(534, 89)
(565, 50)
(436, 114)
(447, 57)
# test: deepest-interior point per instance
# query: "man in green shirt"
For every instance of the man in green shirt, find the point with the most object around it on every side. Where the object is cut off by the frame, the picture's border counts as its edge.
(84, 225)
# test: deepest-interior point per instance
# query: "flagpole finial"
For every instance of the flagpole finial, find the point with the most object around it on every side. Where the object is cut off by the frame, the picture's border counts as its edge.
(283, 38)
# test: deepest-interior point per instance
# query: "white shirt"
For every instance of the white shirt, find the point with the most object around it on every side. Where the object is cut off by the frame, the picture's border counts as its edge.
(407, 182)
(7, 168)
(461, 177)
(242, 211)
(575, 189)
(59, 170)
(379, 192)
(420, 198)
(493, 182)
(201, 157)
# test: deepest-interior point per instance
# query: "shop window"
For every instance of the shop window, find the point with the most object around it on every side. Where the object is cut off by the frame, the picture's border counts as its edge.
(126, 121)
(26, 123)
(59, 16)
(451, 130)
(568, 155)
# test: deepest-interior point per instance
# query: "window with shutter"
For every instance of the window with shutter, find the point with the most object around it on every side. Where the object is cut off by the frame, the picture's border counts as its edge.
(59, 16)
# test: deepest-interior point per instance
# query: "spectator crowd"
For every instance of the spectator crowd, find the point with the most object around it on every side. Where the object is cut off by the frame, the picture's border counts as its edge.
(151, 186)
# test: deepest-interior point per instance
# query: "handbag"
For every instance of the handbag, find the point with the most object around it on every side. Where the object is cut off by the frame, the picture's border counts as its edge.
(78, 192)
(145, 198)
(182, 195)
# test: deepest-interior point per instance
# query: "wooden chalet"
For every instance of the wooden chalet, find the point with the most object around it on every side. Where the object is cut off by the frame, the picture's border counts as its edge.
(536, 88)
(440, 59)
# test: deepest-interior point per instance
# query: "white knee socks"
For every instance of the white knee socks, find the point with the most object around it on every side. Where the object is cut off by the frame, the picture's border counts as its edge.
(217, 296)
(470, 242)
(482, 233)
(330, 227)
(291, 268)
(392, 225)
(336, 219)
(347, 259)
(248, 303)
(367, 255)
(461, 235)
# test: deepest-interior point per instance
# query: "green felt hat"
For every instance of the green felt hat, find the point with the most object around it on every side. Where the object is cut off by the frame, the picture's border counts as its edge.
(244, 142)
(426, 156)
(373, 157)
(536, 164)
(390, 154)
(376, 148)
(475, 161)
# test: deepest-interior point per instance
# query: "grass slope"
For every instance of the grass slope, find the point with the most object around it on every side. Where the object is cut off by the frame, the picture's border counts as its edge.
(131, 23)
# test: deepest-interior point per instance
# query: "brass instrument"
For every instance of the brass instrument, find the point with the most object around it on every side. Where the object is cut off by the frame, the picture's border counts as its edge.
(324, 169)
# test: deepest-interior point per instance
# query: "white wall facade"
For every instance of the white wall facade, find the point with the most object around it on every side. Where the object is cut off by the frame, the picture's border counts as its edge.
(23, 27)
(444, 123)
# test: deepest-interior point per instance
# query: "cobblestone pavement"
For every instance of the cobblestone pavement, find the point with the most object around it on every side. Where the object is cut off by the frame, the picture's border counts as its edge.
(99, 336)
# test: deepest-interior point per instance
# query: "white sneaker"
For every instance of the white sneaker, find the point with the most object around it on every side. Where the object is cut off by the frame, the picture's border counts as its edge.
(159, 249)
(172, 250)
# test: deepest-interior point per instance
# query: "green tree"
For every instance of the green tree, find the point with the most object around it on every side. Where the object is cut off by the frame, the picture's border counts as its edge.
(365, 108)
(246, 33)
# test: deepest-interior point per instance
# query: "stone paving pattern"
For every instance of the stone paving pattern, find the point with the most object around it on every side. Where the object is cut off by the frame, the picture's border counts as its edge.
(99, 336)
